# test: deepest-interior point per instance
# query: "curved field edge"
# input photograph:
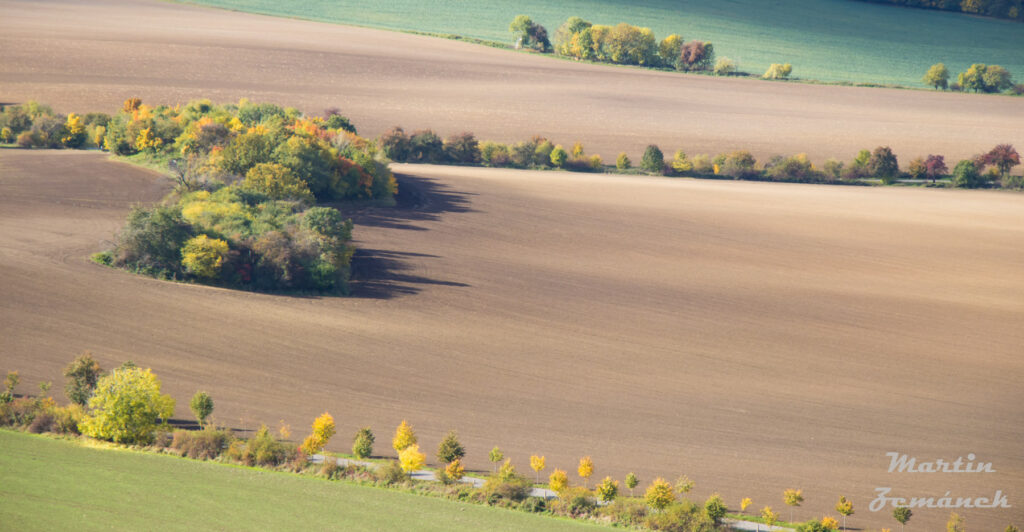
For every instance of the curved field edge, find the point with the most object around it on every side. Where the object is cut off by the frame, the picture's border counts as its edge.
(833, 40)
(47, 484)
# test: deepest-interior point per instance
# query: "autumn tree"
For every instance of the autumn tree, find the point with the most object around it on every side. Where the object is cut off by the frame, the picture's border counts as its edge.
(937, 76)
(277, 182)
(203, 256)
(902, 514)
(792, 498)
(631, 482)
(715, 508)
(916, 169)
(455, 470)
(622, 162)
(695, 55)
(585, 469)
(935, 167)
(126, 406)
(529, 34)
(558, 481)
(659, 494)
(670, 48)
(684, 485)
(845, 509)
(745, 503)
(559, 156)
(955, 523)
(201, 406)
(495, 456)
(1003, 157)
(778, 71)
(769, 516)
(411, 459)
(450, 449)
(74, 132)
(10, 382)
(537, 464)
(607, 489)
(829, 523)
(362, 444)
(323, 429)
(404, 437)
(883, 165)
(82, 373)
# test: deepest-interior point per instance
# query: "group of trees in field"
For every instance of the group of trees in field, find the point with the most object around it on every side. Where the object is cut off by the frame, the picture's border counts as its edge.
(1007, 9)
(978, 78)
(248, 180)
(622, 44)
(126, 406)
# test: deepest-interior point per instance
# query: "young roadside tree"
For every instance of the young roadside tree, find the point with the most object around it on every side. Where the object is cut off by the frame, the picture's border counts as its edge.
(937, 76)
(883, 165)
(201, 406)
(778, 71)
(622, 162)
(684, 485)
(653, 161)
(659, 494)
(362, 444)
(323, 429)
(935, 167)
(955, 523)
(559, 156)
(126, 406)
(83, 373)
(537, 464)
(411, 459)
(845, 509)
(715, 508)
(745, 503)
(792, 498)
(404, 437)
(769, 516)
(585, 469)
(725, 67)
(450, 450)
(455, 470)
(829, 523)
(902, 515)
(607, 490)
(631, 482)
(495, 456)
(558, 481)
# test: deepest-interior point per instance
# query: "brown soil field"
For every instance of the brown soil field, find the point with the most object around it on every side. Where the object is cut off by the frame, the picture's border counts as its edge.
(82, 56)
(754, 336)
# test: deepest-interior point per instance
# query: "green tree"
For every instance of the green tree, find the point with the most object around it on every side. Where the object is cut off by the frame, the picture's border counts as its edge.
(973, 79)
(10, 382)
(937, 76)
(653, 160)
(631, 482)
(715, 508)
(450, 450)
(883, 165)
(495, 456)
(201, 406)
(126, 406)
(966, 174)
(82, 373)
(362, 444)
(277, 182)
(902, 515)
(607, 489)
(996, 79)
(559, 156)
(670, 48)
(152, 238)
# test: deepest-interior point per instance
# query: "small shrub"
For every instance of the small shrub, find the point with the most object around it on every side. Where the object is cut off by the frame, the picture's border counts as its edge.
(494, 154)
(205, 444)
(725, 67)
(511, 487)
(739, 164)
(778, 71)
(534, 505)
(42, 422)
(391, 473)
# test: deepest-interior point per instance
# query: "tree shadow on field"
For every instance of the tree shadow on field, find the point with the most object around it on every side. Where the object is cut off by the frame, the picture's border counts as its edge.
(384, 274)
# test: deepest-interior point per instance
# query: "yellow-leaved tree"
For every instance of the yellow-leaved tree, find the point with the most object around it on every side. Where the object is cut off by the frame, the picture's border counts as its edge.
(74, 132)
(411, 459)
(558, 481)
(830, 523)
(203, 256)
(745, 503)
(537, 465)
(455, 470)
(323, 429)
(125, 406)
(276, 182)
(769, 516)
(845, 508)
(659, 494)
(607, 489)
(404, 437)
(585, 469)
(793, 498)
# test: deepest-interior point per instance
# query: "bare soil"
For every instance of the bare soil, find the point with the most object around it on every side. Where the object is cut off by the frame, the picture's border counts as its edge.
(753, 336)
(92, 56)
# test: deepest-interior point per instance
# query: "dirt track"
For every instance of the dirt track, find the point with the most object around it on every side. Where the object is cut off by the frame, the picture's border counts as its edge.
(753, 336)
(91, 56)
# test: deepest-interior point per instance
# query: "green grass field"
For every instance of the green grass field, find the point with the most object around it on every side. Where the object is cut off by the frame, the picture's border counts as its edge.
(48, 484)
(829, 40)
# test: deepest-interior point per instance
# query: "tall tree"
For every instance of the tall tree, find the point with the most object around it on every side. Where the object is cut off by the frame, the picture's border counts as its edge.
(83, 373)
(937, 76)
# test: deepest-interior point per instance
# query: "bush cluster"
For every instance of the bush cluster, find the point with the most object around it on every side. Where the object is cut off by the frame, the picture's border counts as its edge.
(626, 44)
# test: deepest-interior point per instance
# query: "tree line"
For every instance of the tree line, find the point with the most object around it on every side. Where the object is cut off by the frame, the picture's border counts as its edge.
(1005, 9)
(978, 78)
